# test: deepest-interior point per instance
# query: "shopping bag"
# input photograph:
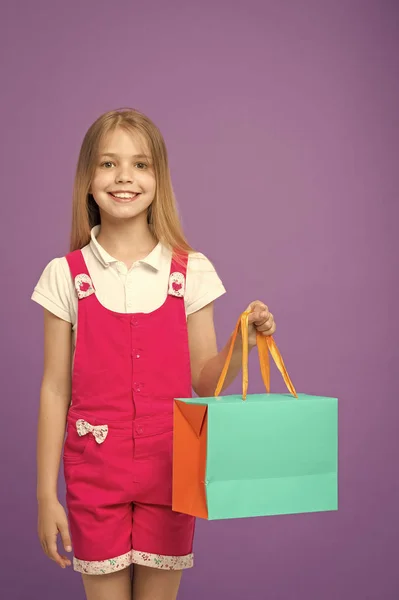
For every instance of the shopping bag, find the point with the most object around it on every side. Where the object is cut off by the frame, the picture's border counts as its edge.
(241, 456)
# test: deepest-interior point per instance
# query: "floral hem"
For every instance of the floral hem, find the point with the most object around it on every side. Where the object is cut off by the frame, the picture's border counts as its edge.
(159, 561)
(103, 567)
(111, 565)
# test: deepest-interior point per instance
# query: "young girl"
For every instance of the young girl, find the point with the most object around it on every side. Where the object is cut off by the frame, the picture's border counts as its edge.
(129, 312)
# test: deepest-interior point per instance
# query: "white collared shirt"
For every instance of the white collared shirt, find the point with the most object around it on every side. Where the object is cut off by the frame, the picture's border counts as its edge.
(142, 288)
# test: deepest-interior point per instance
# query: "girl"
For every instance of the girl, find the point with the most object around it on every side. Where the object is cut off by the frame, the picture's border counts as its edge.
(129, 311)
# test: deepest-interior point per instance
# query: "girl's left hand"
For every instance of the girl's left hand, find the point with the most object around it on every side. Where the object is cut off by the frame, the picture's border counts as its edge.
(260, 319)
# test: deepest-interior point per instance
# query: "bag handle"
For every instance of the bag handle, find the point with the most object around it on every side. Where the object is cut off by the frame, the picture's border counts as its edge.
(265, 344)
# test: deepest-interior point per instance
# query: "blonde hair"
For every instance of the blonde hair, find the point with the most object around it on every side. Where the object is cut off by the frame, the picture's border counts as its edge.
(163, 218)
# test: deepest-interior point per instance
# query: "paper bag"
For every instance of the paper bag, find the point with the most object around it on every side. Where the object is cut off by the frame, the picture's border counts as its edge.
(257, 455)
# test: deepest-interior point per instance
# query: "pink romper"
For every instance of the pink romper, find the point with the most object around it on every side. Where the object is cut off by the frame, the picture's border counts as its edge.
(117, 457)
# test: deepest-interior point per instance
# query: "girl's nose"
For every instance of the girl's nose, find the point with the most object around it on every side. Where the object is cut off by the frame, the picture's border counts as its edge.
(124, 176)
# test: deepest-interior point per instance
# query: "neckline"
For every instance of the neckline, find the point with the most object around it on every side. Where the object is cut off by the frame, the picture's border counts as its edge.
(106, 259)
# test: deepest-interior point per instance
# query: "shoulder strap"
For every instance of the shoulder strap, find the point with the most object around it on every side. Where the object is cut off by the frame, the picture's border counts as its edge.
(179, 263)
(77, 264)
(81, 277)
(177, 276)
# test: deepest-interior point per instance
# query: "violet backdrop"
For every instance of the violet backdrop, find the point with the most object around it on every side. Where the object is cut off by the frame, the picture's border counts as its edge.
(281, 120)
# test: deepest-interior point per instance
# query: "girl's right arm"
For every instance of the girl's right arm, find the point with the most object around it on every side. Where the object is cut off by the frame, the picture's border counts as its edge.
(55, 398)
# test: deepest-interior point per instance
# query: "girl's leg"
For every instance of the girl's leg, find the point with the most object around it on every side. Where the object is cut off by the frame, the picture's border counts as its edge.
(106, 587)
(155, 584)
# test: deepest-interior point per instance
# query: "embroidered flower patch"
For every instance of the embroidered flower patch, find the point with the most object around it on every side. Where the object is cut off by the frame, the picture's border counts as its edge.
(176, 285)
(83, 285)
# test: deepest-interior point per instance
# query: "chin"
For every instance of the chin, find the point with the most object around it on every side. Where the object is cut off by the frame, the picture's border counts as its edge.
(123, 214)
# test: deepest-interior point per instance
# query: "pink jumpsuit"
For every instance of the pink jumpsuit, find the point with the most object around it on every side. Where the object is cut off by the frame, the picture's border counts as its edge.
(117, 457)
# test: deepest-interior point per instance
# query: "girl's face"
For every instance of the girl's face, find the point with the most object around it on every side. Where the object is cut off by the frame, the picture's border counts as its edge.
(124, 184)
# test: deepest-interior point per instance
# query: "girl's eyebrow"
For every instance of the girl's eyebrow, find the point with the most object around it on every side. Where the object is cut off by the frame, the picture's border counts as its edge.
(113, 155)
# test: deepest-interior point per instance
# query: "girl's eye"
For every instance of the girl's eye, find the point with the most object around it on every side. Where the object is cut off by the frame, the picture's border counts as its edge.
(107, 164)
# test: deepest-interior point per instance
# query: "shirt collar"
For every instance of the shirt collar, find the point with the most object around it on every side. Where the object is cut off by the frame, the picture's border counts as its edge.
(153, 259)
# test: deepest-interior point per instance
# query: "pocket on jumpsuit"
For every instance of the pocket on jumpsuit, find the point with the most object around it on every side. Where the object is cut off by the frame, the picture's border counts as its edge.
(75, 447)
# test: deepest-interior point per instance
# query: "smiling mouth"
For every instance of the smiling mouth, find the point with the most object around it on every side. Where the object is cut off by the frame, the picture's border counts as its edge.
(124, 196)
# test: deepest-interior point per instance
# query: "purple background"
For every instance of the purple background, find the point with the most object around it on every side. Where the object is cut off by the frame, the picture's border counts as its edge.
(281, 120)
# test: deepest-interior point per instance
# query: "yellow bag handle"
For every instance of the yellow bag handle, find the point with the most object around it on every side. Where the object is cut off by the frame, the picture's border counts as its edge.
(265, 344)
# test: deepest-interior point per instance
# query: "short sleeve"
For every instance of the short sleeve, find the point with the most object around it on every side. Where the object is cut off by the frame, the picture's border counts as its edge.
(203, 284)
(54, 290)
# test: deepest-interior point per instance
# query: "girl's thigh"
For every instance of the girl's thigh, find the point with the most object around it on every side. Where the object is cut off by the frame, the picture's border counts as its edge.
(104, 587)
(155, 584)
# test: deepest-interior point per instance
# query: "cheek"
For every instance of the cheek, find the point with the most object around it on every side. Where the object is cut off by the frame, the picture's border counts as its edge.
(99, 181)
(148, 184)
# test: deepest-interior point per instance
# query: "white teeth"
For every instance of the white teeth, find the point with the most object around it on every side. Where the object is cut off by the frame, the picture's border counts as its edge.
(124, 196)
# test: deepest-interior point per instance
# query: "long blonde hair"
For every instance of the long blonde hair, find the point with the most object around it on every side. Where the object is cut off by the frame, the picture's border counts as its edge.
(163, 218)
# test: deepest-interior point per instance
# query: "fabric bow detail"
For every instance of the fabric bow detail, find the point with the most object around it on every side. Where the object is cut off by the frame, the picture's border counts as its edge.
(100, 432)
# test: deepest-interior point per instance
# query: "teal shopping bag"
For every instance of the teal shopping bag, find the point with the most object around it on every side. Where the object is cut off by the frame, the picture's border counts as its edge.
(257, 455)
